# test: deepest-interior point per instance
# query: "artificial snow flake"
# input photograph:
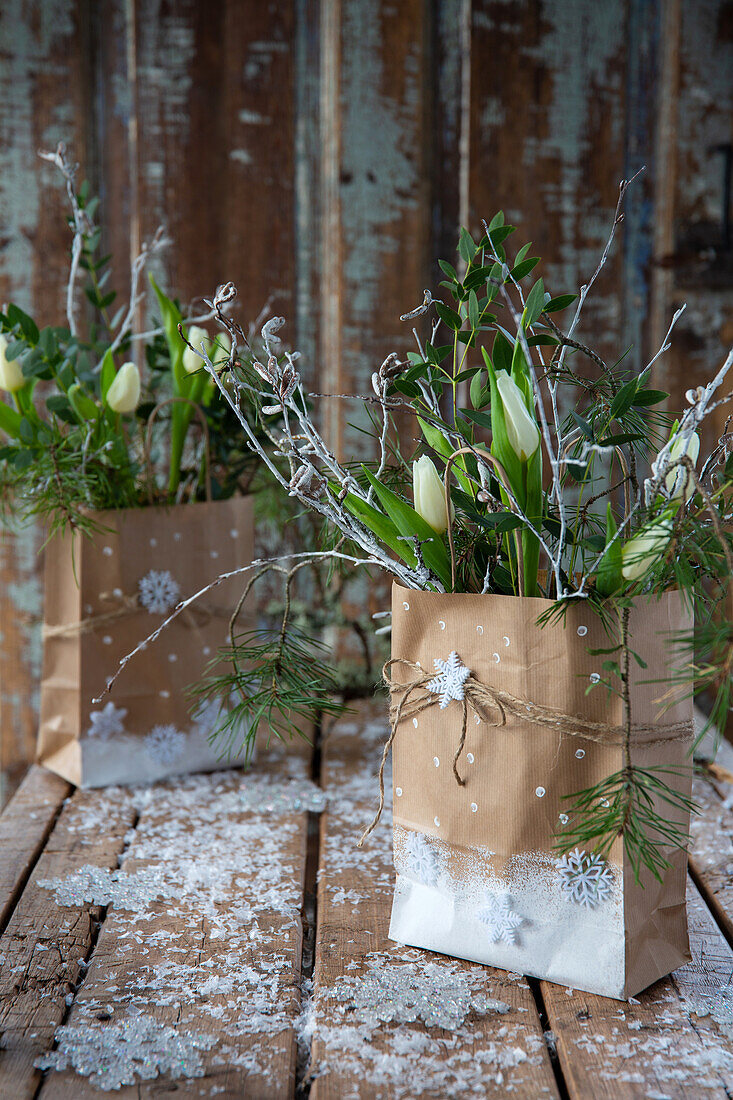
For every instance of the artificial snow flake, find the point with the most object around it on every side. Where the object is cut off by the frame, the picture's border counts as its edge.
(138, 1049)
(500, 919)
(452, 675)
(102, 886)
(421, 859)
(438, 994)
(585, 878)
(165, 744)
(106, 723)
(158, 591)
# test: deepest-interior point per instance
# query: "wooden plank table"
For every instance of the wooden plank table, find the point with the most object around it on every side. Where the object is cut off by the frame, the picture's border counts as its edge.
(223, 936)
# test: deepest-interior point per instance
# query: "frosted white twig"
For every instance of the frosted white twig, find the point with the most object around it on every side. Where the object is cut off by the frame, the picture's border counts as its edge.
(149, 249)
(82, 225)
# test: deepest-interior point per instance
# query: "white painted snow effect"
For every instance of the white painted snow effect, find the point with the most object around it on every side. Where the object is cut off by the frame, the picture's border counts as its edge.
(158, 591)
(448, 684)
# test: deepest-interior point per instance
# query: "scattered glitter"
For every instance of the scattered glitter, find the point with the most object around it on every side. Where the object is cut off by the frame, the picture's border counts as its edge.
(540, 792)
(101, 886)
(506, 640)
(138, 1049)
(479, 630)
(580, 753)
(406, 605)
(398, 792)
(474, 807)
(436, 819)
(414, 722)
(438, 995)
(436, 761)
(497, 658)
(582, 631)
(470, 757)
(441, 624)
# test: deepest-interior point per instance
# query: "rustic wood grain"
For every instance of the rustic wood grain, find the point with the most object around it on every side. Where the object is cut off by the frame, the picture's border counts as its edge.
(547, 141)
(169, 958)
(354, 901)
(711, 854)
(44, 947)
(24, 827)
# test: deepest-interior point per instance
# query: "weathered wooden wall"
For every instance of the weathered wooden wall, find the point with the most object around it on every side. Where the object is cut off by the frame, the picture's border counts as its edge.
(322, 153)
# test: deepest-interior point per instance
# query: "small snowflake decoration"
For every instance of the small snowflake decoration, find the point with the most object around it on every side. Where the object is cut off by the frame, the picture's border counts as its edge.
(165, 744)
(448, 684)
(500, 919)
(585, 878)
(158, 591)
(106, 723)
(421, 860)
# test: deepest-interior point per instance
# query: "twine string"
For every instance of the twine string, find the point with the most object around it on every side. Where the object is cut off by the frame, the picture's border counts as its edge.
(493, 706)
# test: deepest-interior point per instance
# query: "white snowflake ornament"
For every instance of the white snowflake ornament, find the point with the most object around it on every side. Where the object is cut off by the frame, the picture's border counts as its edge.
(106, 723)
(500, 919)
(165, 744)
(585, 878)
(422, 861)
(448, 684)
(158, 591)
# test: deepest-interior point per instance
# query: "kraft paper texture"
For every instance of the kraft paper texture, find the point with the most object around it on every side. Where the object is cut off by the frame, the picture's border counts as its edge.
(161, 732)
(494, 837)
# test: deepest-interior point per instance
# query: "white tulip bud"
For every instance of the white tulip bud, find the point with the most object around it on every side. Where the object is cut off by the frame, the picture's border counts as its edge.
(11, 376)
(645, 549)
(678, 482)
(124, 393)
(196, 337)
(222, 349)
(429, 494)
(521, 429)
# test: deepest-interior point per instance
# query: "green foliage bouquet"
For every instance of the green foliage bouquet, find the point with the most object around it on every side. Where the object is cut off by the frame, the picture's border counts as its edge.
(83, 432)
(542, 471)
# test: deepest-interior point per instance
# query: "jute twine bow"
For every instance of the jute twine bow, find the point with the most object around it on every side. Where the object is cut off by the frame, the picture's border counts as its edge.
(127, 605)
(493, 706)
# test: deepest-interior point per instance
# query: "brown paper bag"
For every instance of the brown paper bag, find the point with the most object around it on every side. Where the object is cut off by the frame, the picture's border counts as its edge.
(105, 595)
(477, 873)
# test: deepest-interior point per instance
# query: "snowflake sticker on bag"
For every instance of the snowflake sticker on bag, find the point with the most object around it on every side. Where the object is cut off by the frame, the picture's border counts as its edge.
(165, 744)
(585, 878)
(448, 684)
(158, 591)
(500, 919)
(106, 723)
(422, 861)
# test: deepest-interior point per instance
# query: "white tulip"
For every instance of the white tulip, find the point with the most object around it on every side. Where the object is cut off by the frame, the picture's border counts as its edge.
(678, 482)
(222, 350)
(429, 494)
(124, 393)
(196, 337)
(521, 429)
(11, 376)
(645, 549)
